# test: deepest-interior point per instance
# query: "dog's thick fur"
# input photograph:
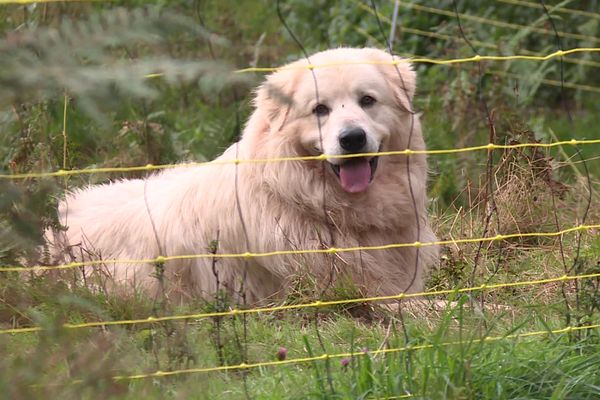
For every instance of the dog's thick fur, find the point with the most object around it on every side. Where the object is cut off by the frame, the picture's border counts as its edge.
(277, 205)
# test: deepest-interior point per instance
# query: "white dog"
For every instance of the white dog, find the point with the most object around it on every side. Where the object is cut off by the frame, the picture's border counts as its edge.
(363, 105)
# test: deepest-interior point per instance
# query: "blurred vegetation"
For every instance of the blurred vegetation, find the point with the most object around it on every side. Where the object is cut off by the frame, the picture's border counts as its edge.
(95, 59)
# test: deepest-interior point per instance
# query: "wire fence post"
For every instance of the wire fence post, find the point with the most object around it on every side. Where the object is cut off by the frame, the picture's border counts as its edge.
(394, 22)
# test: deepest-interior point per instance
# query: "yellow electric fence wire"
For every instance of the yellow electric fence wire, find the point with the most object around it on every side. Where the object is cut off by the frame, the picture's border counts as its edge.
(402, 396)
(551, 82)
(323, 357)
(558, 53)
(552, 8)
(316, 304)
(587, 88)
(441, 36)
(151, 167)
(426, 60)
(499, 24)
(332, 250)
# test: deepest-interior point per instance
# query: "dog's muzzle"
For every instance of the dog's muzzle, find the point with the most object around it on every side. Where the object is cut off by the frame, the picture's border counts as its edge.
(355, 174)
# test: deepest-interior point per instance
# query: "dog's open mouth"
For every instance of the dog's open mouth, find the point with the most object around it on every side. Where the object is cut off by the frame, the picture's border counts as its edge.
(355, 174)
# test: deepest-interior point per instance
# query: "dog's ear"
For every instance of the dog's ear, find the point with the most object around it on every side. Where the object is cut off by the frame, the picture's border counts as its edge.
(403, 80)
(400, 75)
(275, 98)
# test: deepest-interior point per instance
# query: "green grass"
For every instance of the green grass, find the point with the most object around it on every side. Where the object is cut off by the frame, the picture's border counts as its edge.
(546, 366)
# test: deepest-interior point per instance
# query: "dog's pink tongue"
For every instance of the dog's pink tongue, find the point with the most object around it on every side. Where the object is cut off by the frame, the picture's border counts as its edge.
(355, 175)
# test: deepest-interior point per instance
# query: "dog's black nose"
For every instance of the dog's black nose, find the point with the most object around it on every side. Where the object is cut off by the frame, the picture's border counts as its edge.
(353, 139)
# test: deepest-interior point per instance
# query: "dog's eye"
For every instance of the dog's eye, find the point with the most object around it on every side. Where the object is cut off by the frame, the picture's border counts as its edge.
(367, 101)
(321, 110)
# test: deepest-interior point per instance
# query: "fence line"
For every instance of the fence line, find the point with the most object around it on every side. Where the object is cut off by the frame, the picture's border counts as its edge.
(499, 24)
(551, 82)
(401, 396)
(427, 60)
(332, 250)
(442, 36)
(315, 304)
(545, 81)
(322, 357)
(322, 157)
(553, 8)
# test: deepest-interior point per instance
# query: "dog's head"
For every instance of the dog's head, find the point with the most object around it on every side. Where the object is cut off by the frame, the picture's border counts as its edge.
(353, 101)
